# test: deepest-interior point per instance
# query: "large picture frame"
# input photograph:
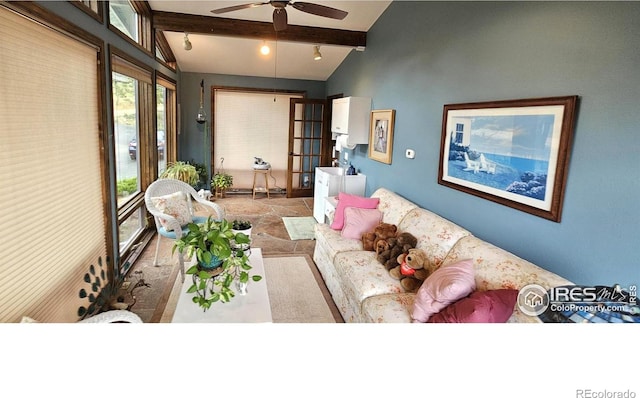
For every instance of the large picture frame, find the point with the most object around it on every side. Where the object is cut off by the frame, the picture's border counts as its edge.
(513, 152)
(381, 135)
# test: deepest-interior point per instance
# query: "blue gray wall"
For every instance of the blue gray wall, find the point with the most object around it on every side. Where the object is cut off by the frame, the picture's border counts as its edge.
(422, 55)
(192, 135)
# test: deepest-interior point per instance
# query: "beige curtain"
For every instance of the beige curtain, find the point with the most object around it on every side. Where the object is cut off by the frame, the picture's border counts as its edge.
(51, 195)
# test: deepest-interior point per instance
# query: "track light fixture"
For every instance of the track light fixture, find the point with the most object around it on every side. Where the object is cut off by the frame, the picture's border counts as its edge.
(316, 53)
(187, 44)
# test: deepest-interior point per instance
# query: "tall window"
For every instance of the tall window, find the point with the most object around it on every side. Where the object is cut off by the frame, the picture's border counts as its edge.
(165, 122)
(251, 124)
(133, 137)
(126, 135)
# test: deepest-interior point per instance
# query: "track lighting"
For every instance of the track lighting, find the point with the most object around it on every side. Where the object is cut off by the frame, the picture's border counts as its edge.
(316, 53)
(265, 50)
(187, 44)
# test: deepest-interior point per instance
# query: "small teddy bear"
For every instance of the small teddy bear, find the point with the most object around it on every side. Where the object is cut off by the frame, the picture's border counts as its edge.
(381, 231)
(398, 245)
(414, 268)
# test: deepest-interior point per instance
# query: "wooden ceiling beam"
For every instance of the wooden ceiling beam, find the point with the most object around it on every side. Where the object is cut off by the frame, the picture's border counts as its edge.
(199, 24)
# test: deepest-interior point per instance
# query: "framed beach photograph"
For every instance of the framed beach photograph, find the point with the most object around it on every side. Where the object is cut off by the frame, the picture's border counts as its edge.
(381, 135)
(513, 152)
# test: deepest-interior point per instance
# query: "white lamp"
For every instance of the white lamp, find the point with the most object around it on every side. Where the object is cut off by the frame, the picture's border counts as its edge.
(316, 53)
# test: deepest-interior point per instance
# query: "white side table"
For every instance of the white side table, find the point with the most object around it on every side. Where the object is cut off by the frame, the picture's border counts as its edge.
(330, 204)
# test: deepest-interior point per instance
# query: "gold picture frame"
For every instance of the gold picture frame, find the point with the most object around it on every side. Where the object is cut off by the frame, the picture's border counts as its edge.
(381, 135)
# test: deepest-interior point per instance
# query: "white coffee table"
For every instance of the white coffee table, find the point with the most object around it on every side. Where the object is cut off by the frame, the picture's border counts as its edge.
(253, 307)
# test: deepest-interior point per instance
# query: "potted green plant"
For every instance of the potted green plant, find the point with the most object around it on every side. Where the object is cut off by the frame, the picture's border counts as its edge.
(242, 227)
(220, 182)
(218, 265)
(182, 171)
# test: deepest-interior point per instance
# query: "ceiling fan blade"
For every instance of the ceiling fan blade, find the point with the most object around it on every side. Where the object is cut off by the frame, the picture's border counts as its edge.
(319, 10)
(238, 7)
(279, 19)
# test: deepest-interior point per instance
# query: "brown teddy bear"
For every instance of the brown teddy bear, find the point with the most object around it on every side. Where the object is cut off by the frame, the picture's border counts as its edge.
(396, 246)
(381, 231)
(414, 268)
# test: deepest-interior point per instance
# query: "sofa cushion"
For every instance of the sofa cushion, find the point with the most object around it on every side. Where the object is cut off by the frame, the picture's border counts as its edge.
(362, 276)
(393, 206)
(358, 221)
(388, 308)
(446, 285)
(332, 241)
(496, 268)
(347, 200)
(436, 235)
(490, 306)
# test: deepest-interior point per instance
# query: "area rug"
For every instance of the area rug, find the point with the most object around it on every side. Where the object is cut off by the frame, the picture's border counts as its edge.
(300, 227)
(297, 292)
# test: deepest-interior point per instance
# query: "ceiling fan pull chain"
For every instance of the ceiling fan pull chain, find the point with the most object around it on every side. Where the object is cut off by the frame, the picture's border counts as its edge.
(275, 69)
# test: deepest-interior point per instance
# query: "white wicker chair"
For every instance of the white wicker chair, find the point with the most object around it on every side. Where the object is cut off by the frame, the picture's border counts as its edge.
(168, 186)
(113, 316)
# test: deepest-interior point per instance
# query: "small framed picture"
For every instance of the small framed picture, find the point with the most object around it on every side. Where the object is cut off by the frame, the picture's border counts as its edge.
(381, 135)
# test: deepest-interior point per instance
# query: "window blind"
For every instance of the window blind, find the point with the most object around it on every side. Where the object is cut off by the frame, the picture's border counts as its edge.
(248, 125)
(51, 194)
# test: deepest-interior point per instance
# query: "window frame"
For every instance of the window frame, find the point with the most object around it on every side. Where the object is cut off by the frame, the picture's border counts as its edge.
(94, 9)
(146, 109)
(145, 40)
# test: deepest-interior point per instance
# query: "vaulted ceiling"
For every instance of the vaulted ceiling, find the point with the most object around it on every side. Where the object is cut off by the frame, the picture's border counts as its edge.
(229, 43)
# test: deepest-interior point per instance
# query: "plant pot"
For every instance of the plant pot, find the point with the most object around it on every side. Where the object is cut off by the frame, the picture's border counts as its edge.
(244, 246)
(213, 264)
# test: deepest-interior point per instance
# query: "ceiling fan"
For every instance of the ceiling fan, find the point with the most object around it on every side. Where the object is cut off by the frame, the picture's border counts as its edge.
(280, 14)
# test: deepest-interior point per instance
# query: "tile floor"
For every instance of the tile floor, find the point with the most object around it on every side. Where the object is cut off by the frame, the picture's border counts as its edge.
(150, 286)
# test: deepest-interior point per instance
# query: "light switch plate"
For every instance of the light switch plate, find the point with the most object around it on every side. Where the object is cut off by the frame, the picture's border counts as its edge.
(410, 154)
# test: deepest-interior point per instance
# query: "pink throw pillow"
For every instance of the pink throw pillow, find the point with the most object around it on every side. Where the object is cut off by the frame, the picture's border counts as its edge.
(358, 221)
(347, 200)
(491, 306)
(444, 286)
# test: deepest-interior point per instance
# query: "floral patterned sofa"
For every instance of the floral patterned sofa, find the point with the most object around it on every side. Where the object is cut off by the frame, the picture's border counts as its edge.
(363, 290)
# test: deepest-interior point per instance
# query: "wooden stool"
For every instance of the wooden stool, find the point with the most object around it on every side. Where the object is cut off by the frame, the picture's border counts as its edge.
(266, 183)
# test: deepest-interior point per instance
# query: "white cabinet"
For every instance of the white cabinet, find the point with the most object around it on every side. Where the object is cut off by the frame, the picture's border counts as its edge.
(351, 116)
(329, 182)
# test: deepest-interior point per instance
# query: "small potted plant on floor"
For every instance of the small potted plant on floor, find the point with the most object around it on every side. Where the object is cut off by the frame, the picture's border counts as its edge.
(220, 182)
(218, 266)
(242, 227)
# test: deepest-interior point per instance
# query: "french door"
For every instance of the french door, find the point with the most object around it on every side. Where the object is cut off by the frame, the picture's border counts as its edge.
(309, 144)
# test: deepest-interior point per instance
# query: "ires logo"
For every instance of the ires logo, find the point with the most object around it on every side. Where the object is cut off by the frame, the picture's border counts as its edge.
(533, 300)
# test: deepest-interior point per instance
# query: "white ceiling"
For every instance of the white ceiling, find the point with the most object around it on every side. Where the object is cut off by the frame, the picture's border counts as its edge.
(241, 56)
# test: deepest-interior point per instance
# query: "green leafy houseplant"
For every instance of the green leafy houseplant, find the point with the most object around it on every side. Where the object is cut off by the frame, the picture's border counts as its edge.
(241, 225)
(218, 265)
(182, 171)
(222, 180)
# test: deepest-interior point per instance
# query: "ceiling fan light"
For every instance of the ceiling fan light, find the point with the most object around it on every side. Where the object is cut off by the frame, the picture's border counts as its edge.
(265, 50)
(187, 44)
(316, 53)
